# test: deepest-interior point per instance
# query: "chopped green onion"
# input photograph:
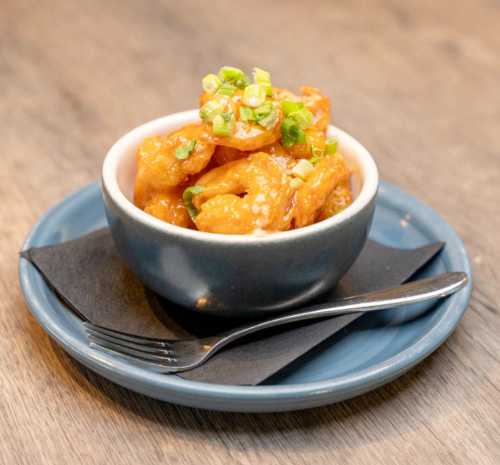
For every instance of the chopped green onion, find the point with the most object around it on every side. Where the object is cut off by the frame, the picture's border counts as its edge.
(247, 114)
(301, 138)
(270, 120)
(291, 133)
(187, 197)
(302, 169)
(264, 79)
(211, 83)
(317, 154)
(234, 76)
(303, 117)
(331, 146)
(254, 95)
(183, 152)
(211, 109)
(314, 160)
(316, 151)
(223, 124)
(226, 89)
(289, 107)
(263, 110)
(265, 115)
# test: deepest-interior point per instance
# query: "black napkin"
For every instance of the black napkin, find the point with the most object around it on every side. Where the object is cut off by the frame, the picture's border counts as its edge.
(90, 277)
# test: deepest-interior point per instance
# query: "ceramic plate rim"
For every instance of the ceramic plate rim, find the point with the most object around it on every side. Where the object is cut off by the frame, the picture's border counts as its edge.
(33, 287)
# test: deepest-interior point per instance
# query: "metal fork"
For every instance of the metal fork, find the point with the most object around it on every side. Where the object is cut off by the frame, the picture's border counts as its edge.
(169, 356)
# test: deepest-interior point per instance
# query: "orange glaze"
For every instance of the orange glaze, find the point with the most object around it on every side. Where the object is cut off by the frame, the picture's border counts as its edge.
(249, 185)
(339, 199)
(158, 167)
(243, 196)
(312, 195)
(169, 206)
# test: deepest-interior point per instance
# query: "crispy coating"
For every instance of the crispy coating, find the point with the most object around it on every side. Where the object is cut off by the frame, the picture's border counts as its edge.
(315, 138)
(318, 104)
(339, 199)
(158, 168)
(312, 195)
(244, 196)
(168, 206)
(313, 100)
(225, 155)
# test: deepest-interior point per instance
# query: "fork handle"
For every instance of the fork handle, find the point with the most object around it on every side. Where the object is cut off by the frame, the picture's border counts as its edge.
(413, 292)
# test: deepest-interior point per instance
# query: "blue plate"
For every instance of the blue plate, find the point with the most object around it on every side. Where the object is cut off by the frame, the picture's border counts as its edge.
(375, 350)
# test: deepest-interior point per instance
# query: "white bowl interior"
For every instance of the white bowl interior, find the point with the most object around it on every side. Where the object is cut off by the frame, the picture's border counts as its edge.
(119, 168)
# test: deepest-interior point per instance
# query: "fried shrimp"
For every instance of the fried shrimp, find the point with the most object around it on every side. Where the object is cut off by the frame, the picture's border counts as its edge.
(318, 104)
(167, 161)
(280, 155)
(259, 160)
(245, 134)
(313, 100)
(316, 141)
(339, 199)
(244, 196)
(225, 155)
(328, 173)
(168, 206)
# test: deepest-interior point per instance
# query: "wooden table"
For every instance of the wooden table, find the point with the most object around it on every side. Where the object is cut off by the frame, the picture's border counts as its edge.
(417, 82)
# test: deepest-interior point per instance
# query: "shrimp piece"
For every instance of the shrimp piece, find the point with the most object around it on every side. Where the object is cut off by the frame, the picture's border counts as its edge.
(158, 168)
(312, 195)
(281, 155)
(247, 136)
(338, 200)
(244, 196)
(169, 206)
(313, 100)
(318, 104)
(316, 138)
(225, 155)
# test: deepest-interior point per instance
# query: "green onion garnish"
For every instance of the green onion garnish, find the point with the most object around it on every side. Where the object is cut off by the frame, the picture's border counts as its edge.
(263, 110)
(291, 133)
(211, 83)
(247, 114)
(223, 124)
(317, 154)
(303, 117)
(302, 169)
(265, 115)
(270, 120)
(226, 89)
(289, 107)
(183, 152)
(254, 95)
(187, 197)
(211, 109)
(234, 76)
(330, 146)
(316, 151)
(264, 79)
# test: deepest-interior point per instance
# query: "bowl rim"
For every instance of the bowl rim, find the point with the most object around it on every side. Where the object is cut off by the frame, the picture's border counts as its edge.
(109, 184)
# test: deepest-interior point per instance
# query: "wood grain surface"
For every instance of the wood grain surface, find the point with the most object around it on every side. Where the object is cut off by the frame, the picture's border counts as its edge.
(417, 82)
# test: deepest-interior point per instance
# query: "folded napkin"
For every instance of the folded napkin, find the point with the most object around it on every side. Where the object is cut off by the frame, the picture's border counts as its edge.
(91, 279)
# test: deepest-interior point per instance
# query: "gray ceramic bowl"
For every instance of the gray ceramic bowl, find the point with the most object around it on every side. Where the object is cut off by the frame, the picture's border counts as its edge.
(234, 275)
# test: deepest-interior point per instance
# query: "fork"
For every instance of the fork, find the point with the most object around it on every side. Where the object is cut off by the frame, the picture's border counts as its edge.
(170, 356)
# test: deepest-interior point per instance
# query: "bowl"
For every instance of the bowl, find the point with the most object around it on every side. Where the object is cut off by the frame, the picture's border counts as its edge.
(234, 275)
